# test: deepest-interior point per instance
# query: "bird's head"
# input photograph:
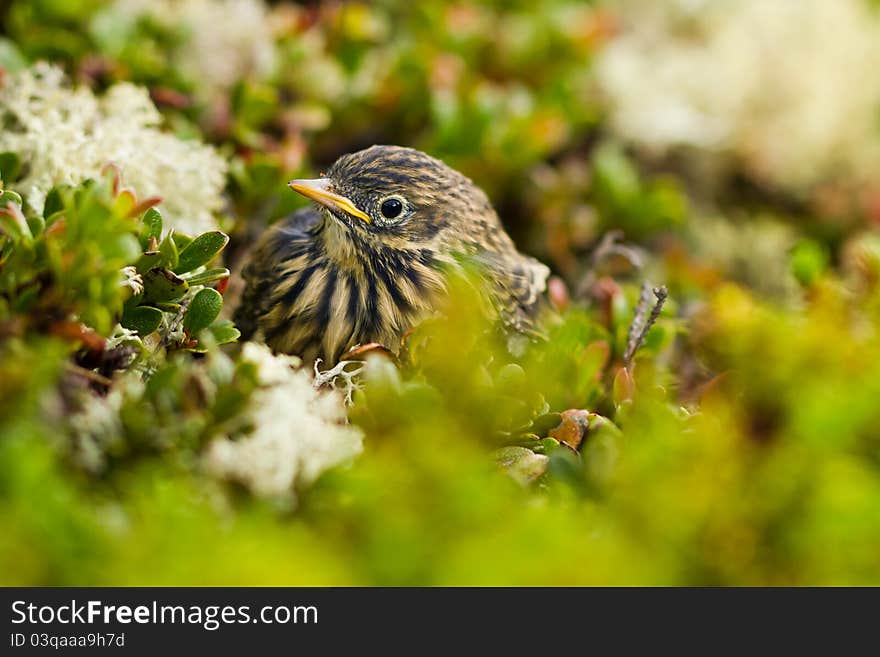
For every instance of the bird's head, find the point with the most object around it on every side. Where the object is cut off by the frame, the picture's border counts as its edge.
(399, 195)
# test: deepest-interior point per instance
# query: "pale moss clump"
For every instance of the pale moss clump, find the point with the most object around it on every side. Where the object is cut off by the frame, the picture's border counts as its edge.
(299, 432)
(223, 41)
(788, 90)
(749, 252)
(66, 134)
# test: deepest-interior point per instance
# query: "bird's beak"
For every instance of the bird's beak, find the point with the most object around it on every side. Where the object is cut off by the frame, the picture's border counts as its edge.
(318, 190)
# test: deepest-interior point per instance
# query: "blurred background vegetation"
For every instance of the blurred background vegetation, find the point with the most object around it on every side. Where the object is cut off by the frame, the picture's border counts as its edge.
(727, 150)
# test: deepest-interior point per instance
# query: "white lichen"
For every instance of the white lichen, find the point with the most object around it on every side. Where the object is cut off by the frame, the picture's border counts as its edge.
(223, 41)
(132, 280)
(66, 134)
(748, 252)
(787, 90)
(96, 427)
(299, 432)
(121, 336)
(340, 377)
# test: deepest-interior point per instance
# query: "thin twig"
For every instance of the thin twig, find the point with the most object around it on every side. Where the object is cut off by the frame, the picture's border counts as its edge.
(609, 245)
(642, 322)
(639, 318)
(89, 374)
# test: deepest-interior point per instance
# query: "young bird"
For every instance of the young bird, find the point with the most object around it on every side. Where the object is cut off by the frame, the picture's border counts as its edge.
(371, 259)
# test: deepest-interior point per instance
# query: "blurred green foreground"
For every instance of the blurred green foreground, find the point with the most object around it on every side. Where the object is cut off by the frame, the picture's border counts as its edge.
(622, 142)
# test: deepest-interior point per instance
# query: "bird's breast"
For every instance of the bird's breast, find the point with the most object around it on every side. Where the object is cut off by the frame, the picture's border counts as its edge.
(321, 306)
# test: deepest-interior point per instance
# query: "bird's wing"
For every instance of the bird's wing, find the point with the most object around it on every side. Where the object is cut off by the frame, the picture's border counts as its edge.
(270, 251)
(519, 282)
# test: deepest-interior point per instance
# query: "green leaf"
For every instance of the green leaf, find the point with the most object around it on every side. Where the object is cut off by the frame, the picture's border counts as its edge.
(168, 249)
(26, 299)
(544, 423)
(201, 251)
(124, 203)
(208, 276)
(10, 166)
(149, 260)
(163, 285)
(181, 240)
(203, 310)
(511, 378)
(14, 224)
(142, 319)
(8, 196)
(225, 332)
(152, 226)
(11, 58)
(615, 174)
(36, 224)
(54, 200)
(549, 445)
(522, 464)
(808, 261)
(565, 465)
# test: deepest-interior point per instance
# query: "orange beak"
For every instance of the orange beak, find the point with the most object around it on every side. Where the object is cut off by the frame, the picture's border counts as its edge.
(318, 190)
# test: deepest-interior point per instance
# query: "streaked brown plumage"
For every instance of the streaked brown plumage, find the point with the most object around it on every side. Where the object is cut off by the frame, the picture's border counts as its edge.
(372, 259)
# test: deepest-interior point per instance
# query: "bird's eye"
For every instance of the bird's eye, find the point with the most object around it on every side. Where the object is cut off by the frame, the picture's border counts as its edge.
(391, 208)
